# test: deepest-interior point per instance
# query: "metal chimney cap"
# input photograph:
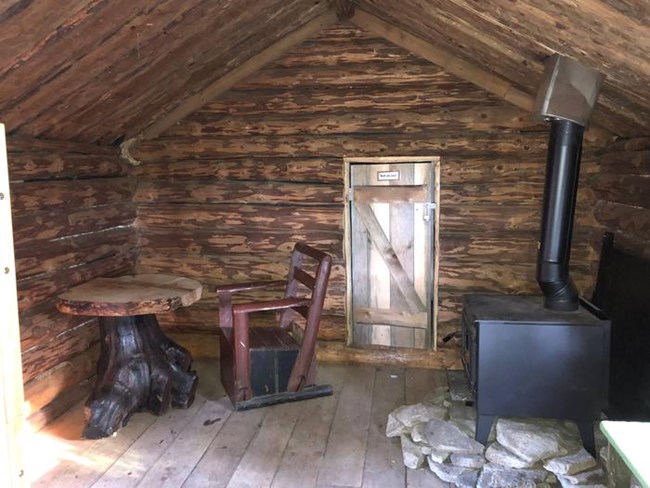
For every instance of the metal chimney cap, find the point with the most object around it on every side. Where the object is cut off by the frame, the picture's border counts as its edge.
(568, 91)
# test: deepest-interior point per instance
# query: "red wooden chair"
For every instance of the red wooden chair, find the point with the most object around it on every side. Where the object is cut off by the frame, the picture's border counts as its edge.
(267, 365)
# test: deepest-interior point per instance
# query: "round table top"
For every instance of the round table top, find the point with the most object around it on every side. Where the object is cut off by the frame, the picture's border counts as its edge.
(130, 295)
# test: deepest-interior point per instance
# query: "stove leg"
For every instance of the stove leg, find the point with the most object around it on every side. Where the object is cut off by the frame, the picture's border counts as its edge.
(586, 429)
(483, 427)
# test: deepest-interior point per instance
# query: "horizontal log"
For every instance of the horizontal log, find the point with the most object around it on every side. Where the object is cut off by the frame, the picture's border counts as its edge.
(29, 145)
(269, 193)
(43, 322)
(626, 162)
(45, 356)
(633, 245)
(73, 194)
(508, 247)
(494, 276)
(439, 144)
(32, 291)
(354, 77)
(447, 94)
(52, 224)
(247, 218)
(217, 241)
(350, 46)
(44, 166)
(204, 318)
(47, 386)
(227, 269)
(498, 193)
(626, 189)
(60, 405)
(634, 144)
(472, 218)
(618, 217)
(49, 255)
(316, 170)
(207, 346)
(337, 352)
(363, 122)
(505, 168)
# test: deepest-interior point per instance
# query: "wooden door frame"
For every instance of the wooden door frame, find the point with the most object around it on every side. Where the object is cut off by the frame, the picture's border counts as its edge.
(12, 422)
(347, 232)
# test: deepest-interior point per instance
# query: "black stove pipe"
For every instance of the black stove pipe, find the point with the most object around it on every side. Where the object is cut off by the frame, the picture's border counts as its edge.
(560, 191)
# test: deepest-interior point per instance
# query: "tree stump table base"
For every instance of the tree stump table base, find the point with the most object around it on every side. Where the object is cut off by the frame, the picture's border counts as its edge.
(139, 369)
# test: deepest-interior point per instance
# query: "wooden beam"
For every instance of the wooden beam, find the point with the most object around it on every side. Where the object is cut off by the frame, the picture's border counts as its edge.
(206, 346)
(11, 379)
(459, 67)
(247, 68)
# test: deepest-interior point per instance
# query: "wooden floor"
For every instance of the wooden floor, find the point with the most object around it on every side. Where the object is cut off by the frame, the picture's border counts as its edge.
(324, 442)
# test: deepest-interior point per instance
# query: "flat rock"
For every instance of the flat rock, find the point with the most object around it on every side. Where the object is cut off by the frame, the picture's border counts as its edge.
(466, 425)
(529, 441)
(571, 464)
(438, 456)
(411, 453)
(591, 477)
(417, 432)
(445, 436)
(403, 418)
(567, 484)
(467, 460)
(467, 479)
(448, 472)
(497, 454)
(495, 476)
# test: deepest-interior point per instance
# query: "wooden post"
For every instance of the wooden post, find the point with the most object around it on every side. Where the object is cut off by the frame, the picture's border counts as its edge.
(11, 378)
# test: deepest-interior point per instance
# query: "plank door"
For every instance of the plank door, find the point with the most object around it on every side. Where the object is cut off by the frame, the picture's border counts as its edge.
(391, 227)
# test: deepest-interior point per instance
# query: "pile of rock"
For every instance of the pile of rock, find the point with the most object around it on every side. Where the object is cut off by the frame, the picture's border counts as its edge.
(519, 453)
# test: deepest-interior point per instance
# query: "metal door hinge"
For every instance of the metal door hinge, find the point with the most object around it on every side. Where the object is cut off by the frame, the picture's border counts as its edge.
(429, 208)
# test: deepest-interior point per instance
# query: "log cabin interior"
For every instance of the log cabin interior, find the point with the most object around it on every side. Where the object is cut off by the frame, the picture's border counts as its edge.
(203, 139)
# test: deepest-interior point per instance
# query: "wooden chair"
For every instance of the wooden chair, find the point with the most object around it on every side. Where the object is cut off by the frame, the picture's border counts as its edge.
(267, 365)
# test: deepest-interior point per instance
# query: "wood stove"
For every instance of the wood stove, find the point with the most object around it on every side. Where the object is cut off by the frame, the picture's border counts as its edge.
(524, 360)
(545, 356)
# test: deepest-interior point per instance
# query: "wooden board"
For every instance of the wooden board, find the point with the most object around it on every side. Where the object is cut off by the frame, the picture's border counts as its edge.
(130, 295)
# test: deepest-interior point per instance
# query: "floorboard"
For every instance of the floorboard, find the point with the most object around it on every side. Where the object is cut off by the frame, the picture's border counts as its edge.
(346, 447)
(303, 457)
(336, 441)
(383, 463)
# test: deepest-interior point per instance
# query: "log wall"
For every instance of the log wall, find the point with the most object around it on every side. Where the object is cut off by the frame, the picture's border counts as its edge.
(72, 217)
(622, 190)
(224, 194)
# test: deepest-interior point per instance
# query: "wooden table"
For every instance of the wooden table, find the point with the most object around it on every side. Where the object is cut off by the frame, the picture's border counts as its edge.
(630, 441)
(139, 367)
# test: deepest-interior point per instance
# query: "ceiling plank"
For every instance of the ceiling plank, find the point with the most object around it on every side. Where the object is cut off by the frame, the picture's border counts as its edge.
(459, 67)
(247, 68)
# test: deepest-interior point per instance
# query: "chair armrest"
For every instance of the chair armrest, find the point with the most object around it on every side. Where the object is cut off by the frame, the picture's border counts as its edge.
(249, 286)
(281, 304)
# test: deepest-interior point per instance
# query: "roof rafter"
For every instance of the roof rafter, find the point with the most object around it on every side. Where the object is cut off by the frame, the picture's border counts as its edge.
(250, 66)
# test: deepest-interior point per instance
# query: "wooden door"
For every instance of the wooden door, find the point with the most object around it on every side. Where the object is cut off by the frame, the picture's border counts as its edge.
(391, 228)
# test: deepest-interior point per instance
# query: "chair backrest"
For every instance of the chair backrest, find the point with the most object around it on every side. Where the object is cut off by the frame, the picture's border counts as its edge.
(309, 272)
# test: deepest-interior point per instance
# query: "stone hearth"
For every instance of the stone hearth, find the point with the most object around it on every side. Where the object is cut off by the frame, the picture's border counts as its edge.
(438, 434)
